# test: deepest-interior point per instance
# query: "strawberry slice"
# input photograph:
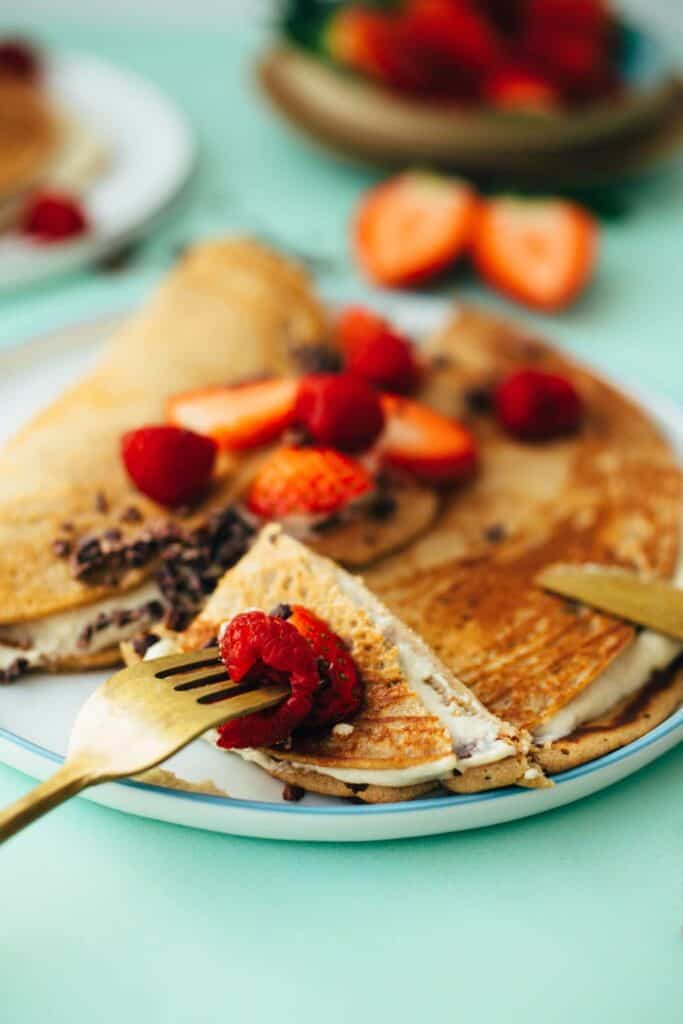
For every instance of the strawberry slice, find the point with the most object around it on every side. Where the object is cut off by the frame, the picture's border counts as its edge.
(540, 252)
(238, 417)
(412, 227)
(432, 447)
(306, 482)
(515, 87)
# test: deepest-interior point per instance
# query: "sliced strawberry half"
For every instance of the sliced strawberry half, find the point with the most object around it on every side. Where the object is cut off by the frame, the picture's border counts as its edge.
(340, 693)
(540, 252)
(306, 482)
(244, 416)
(412, 227)
(434, 448)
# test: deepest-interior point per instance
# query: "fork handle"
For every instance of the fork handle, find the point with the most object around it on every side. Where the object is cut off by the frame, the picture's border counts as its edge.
(66, 782)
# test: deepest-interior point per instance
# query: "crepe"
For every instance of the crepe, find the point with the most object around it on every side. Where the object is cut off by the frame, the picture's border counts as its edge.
(418, 726)
(231, 311)
(29, 136)
(611, 494)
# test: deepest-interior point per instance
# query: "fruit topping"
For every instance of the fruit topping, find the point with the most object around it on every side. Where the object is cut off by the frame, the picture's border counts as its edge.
(535, 405)
(53, 217)
(18, 59)
(541, 252)
(413, 226)
(170, 465)
(432, 447)
(516, 87)
(306, 482)
(239, 417)
(261, 649)
(453, 40)
(339, 411)
(339, 692)
(373, 349)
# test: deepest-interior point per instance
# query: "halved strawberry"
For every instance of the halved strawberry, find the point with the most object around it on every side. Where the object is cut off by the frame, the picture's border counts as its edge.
(432, 447)
(412, 227)
(539, 251)
(306, 482)
(516, 87)
(243, 416)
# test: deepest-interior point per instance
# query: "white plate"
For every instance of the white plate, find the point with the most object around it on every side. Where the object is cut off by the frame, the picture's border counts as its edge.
(150, 152)
(36, 714)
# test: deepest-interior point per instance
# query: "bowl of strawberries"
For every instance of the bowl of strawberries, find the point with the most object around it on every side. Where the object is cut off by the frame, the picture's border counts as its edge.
(528, 88)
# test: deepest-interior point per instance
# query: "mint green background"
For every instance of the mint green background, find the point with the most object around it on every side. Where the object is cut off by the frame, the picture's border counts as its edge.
(573, 916)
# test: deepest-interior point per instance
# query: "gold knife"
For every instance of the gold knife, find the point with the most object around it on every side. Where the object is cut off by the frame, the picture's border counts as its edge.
(646, 602)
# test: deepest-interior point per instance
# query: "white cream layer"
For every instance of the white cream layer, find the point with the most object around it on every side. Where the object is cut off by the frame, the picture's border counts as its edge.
(55, 637)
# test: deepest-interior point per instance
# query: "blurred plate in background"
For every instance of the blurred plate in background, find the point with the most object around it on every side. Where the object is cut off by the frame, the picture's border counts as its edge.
(150, 153)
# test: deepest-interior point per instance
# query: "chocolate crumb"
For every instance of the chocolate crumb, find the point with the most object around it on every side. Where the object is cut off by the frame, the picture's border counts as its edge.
(142, 642)
(61, 547)
(14, 670)
(292, 793)
(383, 506)
(441, 361)
(281, 611)
(67, 526)
(357, 787)
(495, 533)
(132, 514)
(317, 359)
(101, 503)
(478, 400)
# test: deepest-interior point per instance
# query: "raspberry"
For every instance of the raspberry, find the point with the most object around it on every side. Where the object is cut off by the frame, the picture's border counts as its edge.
(535, 405)
(340, 411)
(18, 59)
(261, 649)
(170, 465)
(52, 217)
(375, 351)
(308, 482)
(339, 693)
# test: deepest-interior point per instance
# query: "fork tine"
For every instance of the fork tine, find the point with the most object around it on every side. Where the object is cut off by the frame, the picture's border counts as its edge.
(177, 664)
(222, 704)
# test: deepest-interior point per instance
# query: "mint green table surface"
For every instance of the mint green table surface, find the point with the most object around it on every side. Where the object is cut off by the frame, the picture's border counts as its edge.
(573, 916)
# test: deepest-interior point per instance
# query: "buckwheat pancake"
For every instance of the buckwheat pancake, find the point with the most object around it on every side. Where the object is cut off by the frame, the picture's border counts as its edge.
(29, 136)
(231, 311)
(611, 495)
(418, 725)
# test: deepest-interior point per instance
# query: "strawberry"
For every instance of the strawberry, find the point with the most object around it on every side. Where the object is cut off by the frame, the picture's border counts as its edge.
(258, 649)
(588, 17)
(516, 87)
(339, 411)
(243, 416)
(412, 227)
(370, 42)
(53, 217)
(306, 482)
(540, 252)
(339, 694)
(171, 466)
(432, 447)
(535, 405)
(374, 350)
(454, 39)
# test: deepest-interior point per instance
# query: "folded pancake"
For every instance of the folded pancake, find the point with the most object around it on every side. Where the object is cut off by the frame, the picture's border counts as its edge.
(29, 136)
(75, 532)
(418, 726)
(611, 494)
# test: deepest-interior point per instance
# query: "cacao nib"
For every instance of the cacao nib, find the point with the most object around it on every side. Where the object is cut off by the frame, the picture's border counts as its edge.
(317, 359)
(14, 671)
(142, 642)
(478, 400)
(61, 547)
(495, 533)
(101, 503)
(281, 611)
(292, 793)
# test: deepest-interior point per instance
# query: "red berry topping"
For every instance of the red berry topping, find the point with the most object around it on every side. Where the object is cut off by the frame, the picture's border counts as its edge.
(308, 482)
(535, 405)
(339, 693)
(258, 648)
(377, 352)
(171, 466)
(434, 448)
(339, 411)
(238, 417)
(52, 217)
(18, 59)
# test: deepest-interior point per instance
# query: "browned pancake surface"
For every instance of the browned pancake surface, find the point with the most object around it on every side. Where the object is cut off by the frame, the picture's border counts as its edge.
(28, 136)
(611, 494)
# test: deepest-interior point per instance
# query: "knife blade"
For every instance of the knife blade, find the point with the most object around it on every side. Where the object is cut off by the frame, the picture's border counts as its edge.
(645, 602)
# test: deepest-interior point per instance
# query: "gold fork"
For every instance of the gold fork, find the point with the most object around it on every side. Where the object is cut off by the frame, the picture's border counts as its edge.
(137, 719)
